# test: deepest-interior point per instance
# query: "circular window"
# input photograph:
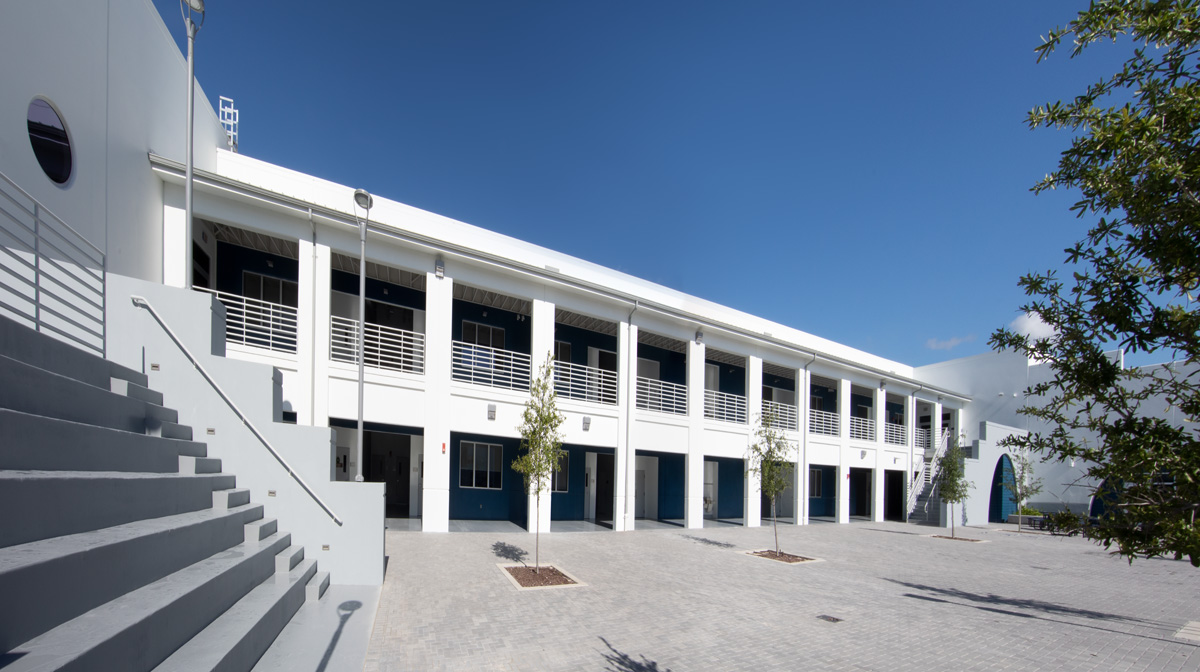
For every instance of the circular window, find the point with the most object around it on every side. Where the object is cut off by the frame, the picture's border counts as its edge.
(48, 136)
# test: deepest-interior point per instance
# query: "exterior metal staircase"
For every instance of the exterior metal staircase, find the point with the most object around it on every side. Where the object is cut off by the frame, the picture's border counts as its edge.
(924, 504)
(123, 546)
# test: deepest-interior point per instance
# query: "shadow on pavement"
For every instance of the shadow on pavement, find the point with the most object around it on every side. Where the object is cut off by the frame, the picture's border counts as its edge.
(619, 661)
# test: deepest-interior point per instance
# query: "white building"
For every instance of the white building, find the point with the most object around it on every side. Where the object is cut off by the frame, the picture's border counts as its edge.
(661, 390)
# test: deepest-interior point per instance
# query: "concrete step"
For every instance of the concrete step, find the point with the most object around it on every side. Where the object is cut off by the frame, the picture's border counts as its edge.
(316, 587)
(135, 391)
(24, 344)
(28, 389)
(174, 430)
(257, 530)
(230, 498)
(55, 580)
(140, 629)
(30, 441)
(199, 465)
(288, 558)
(45, 504)
(239, 637)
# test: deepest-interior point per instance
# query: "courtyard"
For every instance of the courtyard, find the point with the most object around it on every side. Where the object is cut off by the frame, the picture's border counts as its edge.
(883, 596)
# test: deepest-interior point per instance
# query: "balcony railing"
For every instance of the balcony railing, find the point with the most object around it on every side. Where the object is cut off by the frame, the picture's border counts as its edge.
(661, 396)
(383, 347)
(482, 365)
(823, 422)
(257, 323)
(895, 434)
(780, 416)
(862, 429)
(921, 439)
(585, 383)
(724, 406)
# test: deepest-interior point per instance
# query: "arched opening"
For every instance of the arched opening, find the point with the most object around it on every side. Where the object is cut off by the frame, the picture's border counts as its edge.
(1102, 500)
(1001, 505)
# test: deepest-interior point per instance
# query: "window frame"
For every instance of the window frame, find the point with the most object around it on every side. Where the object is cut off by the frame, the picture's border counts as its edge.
(490, 451)
(564, 460)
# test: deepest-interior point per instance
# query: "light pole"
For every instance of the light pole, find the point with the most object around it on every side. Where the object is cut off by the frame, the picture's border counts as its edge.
(361, 200)
(189, 8)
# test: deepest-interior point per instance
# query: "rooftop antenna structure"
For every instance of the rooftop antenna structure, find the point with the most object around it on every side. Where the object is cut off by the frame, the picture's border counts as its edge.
(229, 121)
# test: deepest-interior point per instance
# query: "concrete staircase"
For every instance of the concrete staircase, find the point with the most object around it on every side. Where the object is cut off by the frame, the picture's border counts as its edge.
(927, 510)
(122, 545)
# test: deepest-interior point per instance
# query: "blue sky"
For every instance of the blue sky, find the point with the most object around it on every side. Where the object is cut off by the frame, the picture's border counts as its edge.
(860, 171)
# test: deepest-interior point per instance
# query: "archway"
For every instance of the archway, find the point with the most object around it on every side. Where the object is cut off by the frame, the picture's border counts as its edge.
(1001, 505)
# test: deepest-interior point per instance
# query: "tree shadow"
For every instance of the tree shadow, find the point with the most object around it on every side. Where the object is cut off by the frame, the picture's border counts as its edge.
(708, 542)
(345, 611)
(619, 661)
(509, 552)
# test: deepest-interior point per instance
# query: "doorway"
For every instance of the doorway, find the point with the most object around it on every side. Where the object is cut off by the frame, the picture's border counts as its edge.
(893, 495)
(860, 492)
(605, 466)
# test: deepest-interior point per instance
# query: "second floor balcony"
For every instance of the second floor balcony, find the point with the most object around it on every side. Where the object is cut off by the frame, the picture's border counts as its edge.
(895, 434)
(862, 429)
(257, 323)
(383, 347)
(585, 383)
(661, 396)
(823, 422)
(482, 365)
(780, 416)
(724, 407)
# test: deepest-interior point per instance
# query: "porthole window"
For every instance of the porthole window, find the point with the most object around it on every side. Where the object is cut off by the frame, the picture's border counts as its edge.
(48, 136)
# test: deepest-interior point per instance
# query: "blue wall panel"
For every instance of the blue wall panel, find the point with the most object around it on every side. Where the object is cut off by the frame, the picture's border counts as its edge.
(516, 331)
(232, 260)
(670, 485)
(508, 503)
(779, 382)
(731, 488)
(672, 365)
(732, 379)
(827, 396)
(826, 504)
(581, 339)
(400, 296)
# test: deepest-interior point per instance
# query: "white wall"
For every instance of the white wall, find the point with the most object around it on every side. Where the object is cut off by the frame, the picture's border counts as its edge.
(119, 83)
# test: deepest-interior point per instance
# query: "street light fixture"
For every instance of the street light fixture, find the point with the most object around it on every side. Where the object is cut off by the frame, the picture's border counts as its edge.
(363, 200)
(190, 8)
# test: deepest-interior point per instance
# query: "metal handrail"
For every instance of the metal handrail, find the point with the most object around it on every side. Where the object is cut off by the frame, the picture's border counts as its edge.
(661, 396)
(256, 322)
(586, 383)
(823, 422)
(493, 367)
(780, 416)
(49, 259)
(862, 429)
(141, 302)
(383, 347)
(724, 406)
(927, 475)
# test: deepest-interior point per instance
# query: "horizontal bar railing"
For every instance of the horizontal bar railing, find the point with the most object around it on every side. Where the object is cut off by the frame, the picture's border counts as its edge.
(895, 434)
(661, 396)
(51, 277)
(823, 422)
(921, 439)
(482, 365)
(862, 429)
(143, 303)
(724, 406)
(585, 383)
(780, 416)
(257, 323)
(383, 347)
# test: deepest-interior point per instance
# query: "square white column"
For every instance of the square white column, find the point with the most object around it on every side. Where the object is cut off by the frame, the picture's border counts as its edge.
(693, 508)
(843, 492)
(693, 485)
(541, 348)
(804, 403)
(322, 275)
(174, 237)
(626, 470)
(844, 409)
(753, 487)
(435, 492)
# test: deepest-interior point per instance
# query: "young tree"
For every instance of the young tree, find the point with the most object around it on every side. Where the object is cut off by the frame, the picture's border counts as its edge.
(540, 443)
(1024, 485)
(953, 485)
(771, 459)
(1135, 277)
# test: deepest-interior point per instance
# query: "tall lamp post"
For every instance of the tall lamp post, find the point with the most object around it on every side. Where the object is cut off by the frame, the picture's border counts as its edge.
(361, 200)
(190, 8)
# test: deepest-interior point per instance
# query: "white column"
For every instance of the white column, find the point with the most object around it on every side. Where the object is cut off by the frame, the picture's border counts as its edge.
(305, 320)
(625, 478)
(935, 430)
(693, 507)
(541, 347)
(753, 487)
(174, 237)
(322, 286)
(843, 409)
(435, 491)
(910, 433)
(877, 479)
(843, 490)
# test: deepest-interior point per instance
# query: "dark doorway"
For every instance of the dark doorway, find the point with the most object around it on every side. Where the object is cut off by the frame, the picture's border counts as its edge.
(893, 495)
(860, 492)
(605, 466)
(387, 461)
(1001, 505)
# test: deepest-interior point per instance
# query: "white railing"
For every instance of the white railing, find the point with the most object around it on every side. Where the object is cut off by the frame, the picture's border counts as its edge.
(724, 406)
(780, 416)
(921, 439)
(51, 277)
(482, 365)
(934, 462)
(257, 323)
(895, 434)
(927, 472)
(862, 429)
(383, 347)
(142, 303)
(823, 422)
(586, 383)
(661, 396)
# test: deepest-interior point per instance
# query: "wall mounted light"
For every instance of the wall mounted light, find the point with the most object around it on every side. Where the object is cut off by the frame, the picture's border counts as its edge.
(491, 411)
(587, 422)
(699, 337)
(439, 268)
(883, 385)
(862, 454)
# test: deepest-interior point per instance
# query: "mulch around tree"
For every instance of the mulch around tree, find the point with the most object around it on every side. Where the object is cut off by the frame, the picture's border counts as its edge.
(940, 536)
(781, 557)
(545, 578)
